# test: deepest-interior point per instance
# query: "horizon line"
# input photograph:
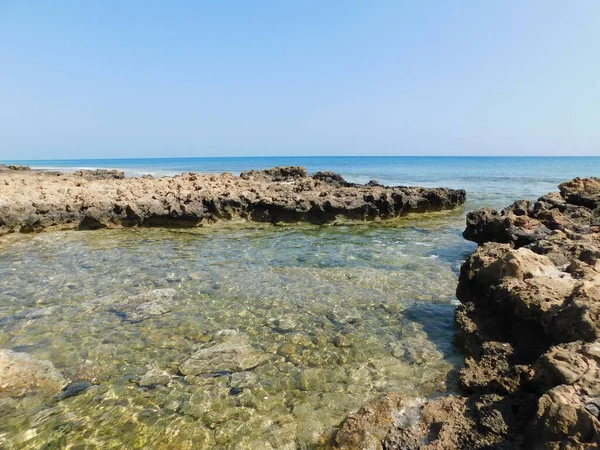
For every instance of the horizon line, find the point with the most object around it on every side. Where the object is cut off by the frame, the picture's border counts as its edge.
(296, 157)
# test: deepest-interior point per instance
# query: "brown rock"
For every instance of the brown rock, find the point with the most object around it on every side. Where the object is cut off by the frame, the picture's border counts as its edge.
(32, 201)
(530, 321)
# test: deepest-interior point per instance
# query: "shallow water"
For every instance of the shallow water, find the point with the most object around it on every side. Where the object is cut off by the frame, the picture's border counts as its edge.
(339, 314)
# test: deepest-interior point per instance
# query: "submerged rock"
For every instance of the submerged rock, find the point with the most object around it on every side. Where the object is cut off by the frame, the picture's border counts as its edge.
(73, 389)
(21, 375)
(282, 325)
(232, 352)
(146, 305)
(154, 377)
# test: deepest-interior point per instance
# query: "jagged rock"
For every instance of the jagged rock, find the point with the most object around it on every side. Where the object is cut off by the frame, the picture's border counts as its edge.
(332, 178)
(530, 321)
(100, 174)
(582, 192)
(32, 201)
(13, 167)
(368, 427)
(276, 174)
(21, 374)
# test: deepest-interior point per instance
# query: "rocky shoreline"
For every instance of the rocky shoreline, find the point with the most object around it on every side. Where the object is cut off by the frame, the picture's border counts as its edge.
(33, 201)
(529, 321)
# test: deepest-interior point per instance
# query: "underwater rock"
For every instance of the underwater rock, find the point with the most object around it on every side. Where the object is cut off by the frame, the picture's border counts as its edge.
(243, 379)
(343, 340)
(41, 312)
(73, 389)
(232, 352)
(146, 305)
(33, 201)
(282, 325)
(21, 374)
(154, 377)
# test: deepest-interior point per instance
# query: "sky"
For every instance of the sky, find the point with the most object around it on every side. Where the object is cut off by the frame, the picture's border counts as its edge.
(182, 78)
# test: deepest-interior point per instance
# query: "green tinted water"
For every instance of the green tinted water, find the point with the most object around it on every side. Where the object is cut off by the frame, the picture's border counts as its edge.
(338, 315)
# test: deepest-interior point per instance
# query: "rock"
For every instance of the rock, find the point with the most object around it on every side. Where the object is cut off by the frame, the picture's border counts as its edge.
(300, 339)
(343, 340)
(529, 320)
(582, 192)
(100, 174)
(561, 364)
(13, 167)
(561, 417)
(277, 174)
(154, 377)
(532, 288)
(282, 325)
(243, 380)
(146, 305)
(41, 312)
(21, 375)
(73, 389)
(287, 349)
(32, 201)
(369, 426)
(331, 178)
(231, 353)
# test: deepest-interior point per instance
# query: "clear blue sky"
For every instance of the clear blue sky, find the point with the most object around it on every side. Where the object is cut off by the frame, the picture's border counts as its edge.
(86, 79)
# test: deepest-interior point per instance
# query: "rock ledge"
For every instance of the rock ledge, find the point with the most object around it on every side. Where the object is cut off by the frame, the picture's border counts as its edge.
(32, 201)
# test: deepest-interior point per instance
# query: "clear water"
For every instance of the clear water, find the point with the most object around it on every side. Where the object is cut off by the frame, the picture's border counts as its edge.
(339, 314)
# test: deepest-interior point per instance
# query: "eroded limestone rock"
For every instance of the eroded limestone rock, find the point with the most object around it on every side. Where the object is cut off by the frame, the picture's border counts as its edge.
(32, 201)
(530, 321)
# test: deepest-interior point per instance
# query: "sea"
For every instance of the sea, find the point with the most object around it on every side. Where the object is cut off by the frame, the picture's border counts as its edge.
(307, 323)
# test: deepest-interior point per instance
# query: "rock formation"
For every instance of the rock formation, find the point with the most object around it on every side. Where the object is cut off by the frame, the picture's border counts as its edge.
(32, 201)
(530, 324)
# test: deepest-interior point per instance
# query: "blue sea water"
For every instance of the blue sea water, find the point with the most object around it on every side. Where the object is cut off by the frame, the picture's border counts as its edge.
(489, 181)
